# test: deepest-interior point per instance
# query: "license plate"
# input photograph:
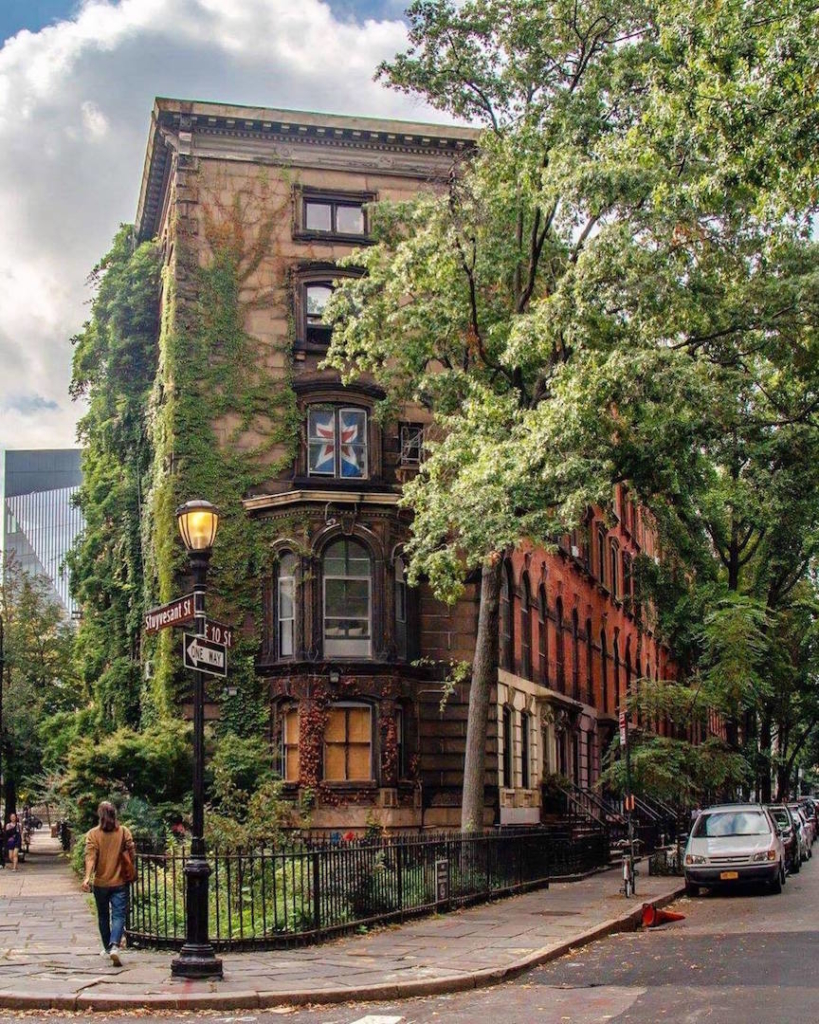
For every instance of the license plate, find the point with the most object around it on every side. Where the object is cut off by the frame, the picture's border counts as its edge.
(728, 876)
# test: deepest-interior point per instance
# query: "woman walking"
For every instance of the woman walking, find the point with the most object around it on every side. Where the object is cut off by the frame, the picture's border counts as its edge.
(13, 841)
(109, 851)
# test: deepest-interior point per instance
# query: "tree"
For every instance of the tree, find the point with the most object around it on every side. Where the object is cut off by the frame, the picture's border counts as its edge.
(586, 255)
(39, 677)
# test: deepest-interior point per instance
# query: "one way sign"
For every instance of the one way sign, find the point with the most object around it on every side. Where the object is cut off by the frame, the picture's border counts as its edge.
(204, 655)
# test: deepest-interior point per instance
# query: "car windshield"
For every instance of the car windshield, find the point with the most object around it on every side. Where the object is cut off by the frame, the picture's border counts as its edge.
(732, 823)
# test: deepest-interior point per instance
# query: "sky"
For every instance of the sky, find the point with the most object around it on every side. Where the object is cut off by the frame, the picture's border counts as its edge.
(77, 82)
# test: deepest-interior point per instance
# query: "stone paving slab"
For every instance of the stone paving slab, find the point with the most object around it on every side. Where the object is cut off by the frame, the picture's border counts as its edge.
(49, 948)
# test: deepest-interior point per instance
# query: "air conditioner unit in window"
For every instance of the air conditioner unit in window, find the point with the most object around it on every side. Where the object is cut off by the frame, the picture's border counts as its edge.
(575, 552)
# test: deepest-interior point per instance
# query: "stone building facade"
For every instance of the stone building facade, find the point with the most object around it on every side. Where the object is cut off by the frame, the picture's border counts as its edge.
(348, 649)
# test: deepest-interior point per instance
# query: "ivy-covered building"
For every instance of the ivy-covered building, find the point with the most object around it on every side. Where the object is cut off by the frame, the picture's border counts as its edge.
(251, 209)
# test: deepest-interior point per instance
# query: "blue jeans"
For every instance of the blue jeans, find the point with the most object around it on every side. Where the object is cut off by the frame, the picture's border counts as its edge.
(112, 905)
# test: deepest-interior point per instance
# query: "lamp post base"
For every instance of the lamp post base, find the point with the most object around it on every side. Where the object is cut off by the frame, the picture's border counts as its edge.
(196, 961)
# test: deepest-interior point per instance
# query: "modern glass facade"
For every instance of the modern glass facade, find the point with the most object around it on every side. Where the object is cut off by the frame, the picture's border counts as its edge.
(40, 521)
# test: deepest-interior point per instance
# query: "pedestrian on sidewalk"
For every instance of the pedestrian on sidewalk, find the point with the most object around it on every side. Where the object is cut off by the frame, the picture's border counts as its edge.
(13, 840)
(109, 853)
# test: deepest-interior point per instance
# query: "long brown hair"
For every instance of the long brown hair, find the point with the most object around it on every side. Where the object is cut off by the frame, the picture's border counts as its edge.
(108, 816)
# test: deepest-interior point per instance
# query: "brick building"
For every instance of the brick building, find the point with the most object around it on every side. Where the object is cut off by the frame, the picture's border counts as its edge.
(352, 717)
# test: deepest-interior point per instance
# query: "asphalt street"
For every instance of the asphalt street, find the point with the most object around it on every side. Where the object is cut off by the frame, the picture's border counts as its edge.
(742, 957)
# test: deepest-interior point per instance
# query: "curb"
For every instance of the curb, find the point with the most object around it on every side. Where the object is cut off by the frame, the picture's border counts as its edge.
(388, 991)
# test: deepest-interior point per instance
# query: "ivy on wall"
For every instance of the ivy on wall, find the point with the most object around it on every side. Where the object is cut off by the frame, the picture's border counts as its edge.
(211, 413)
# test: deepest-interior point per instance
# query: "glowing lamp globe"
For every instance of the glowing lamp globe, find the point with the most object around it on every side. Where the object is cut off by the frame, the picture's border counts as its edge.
(198, 522)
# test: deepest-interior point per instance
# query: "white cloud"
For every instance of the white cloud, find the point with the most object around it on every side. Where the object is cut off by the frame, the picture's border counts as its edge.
(75, 101)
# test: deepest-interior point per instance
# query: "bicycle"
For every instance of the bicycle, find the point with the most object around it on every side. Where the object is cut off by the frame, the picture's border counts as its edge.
(628, 849)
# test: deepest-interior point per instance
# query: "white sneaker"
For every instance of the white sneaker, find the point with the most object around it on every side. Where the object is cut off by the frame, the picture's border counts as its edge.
(116, 956)
(104, 952)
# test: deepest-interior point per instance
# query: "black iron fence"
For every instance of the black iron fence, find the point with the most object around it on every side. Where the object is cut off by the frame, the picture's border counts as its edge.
(307, 891)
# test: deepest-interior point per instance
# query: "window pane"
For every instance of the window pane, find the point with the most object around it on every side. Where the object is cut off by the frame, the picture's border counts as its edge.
(335, 730)
(342, 628)
(349, 599)
(291, 727)
(317, 297)
(358, 725)
(322, 446)
(291, 764)
(286, 598)
(358, 758)
(346, 558)
(286, 639)
(349, 220)
(318, 216)
(334, 762)
(353, 438)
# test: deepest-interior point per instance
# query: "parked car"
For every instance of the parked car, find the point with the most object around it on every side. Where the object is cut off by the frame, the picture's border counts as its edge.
(805, 831)
(789, 835)
(734, 843)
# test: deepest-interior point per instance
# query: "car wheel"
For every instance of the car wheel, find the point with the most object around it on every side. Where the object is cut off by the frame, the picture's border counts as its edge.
(776, 884)
(691, 888)
(797, 864)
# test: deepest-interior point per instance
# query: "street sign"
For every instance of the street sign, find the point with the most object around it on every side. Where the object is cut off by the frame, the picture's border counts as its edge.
(177, 613)
(204, 655)
(441, 881)
(219, 633)
(623, 729)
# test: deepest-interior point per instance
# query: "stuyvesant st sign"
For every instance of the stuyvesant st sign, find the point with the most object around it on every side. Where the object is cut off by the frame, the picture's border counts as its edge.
(176, 613)
(204, 656)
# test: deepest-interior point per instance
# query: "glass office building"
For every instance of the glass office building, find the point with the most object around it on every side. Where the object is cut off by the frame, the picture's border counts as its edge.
(40, 521)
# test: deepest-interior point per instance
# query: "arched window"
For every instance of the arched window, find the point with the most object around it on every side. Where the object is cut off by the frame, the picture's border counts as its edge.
(543, 637)
(347, 575)
(525, 750)
(618, 697)
(601, 555)
(575, 655)
(286, 605)
(589, 665)
(628, 667)
(526, 629)
(508, 759)
(614, 558)
(507, 651)
(400, 593)
(604, 662)
(627, 575)
(560, 649)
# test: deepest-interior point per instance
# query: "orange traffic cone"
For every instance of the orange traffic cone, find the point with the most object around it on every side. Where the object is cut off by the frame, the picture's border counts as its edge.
(652, 917)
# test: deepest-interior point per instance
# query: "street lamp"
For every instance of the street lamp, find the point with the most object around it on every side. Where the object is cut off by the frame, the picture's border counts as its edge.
(198, 522)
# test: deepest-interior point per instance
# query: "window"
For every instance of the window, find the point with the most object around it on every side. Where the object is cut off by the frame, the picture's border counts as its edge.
(508, 778)
(617, 694)
(286, 605)
(575, 656)
(412, 444)
(543, 637)
(525, 752)
(290, 745)
(348, 744)
(601, 555)
(589, 664)
(337, 443)
(560, 651)
(604, 662)
(400, 608)
(526, 630)
(316, 296)
(614, 556)
(333, 215)
(507, 639)
(347, 572)
(400, 765)
(627, 575)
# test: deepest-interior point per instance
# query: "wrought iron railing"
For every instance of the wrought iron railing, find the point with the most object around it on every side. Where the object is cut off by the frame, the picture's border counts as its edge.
(310, 890)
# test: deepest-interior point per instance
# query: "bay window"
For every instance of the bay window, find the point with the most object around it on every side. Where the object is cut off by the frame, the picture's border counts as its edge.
(347, 576)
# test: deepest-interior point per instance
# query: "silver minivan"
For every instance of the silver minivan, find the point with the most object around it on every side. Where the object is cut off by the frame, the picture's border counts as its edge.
(734, 843)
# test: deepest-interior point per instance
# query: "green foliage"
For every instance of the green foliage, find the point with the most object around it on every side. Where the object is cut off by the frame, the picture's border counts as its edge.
(153, 766)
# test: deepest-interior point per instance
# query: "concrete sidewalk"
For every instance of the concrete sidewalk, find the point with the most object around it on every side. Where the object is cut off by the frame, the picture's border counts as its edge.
(50, 952)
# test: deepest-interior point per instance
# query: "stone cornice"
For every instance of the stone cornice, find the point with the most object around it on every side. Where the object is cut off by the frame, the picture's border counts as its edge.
(296, 138)
(264, 502)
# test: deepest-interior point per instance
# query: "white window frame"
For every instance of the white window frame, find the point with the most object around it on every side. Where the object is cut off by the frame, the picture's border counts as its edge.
(407, 444)
(280, 619)
(333, 647)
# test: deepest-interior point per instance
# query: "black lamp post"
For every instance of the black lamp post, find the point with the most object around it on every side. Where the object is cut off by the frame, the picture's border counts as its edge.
(198, 522)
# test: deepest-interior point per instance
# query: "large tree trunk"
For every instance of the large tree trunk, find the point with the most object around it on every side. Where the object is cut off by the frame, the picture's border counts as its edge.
(11, 798)
(765, 758)
(484, 675)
